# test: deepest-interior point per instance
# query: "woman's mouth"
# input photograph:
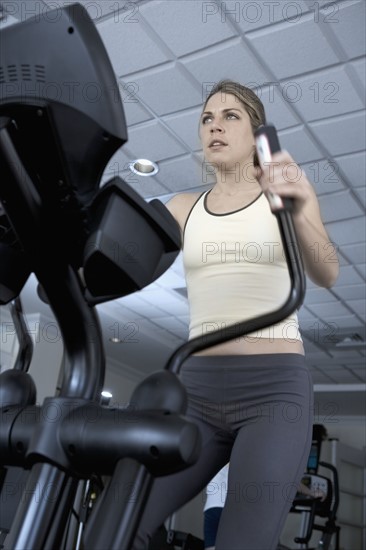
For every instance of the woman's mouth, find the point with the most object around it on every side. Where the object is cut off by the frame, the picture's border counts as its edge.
(216, 144)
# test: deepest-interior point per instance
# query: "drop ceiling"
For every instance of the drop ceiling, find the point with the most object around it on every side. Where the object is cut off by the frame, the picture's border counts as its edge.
(306, 60)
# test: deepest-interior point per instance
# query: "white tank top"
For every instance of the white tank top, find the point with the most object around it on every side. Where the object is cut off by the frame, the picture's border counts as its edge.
(235, 269)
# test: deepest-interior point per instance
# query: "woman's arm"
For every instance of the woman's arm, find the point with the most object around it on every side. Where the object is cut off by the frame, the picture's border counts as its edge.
(284, 177)
(315, 493)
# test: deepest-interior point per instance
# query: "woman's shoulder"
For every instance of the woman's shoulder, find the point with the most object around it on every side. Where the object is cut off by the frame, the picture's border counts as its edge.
(180, 206)
(182, 200)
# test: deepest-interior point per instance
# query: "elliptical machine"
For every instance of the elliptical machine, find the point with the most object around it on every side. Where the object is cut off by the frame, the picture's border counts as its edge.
(53, 152)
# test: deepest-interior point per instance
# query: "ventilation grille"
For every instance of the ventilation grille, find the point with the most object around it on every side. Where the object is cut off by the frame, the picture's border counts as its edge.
(22, 73)
(354, 340)
(337, 338)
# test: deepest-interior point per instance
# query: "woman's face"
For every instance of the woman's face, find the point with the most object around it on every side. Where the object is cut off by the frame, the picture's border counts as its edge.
(225, 131)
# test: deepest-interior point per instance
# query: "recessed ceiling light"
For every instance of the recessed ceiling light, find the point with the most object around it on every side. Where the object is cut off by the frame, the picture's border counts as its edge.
(144, 167)
(106, 397)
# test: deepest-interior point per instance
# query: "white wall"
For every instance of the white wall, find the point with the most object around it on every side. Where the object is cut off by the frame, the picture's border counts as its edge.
(350, 430)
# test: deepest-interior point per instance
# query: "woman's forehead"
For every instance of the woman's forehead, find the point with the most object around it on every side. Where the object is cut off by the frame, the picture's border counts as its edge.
(221, 101)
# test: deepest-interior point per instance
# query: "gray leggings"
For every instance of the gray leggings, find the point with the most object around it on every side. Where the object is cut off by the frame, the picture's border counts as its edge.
(256, 412)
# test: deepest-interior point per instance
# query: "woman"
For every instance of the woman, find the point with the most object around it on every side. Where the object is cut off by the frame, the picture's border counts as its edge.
(250, 396)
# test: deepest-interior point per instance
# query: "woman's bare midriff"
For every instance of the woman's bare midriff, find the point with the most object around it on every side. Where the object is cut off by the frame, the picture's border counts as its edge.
(262, 345)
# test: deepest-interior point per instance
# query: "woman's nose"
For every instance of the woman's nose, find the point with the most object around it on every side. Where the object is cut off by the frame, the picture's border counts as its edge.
(216, 127)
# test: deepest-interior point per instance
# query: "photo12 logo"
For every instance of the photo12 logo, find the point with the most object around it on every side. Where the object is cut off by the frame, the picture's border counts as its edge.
(52, 11)
(267, 12)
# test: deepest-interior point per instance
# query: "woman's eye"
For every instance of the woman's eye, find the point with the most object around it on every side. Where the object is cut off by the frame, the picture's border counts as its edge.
(208, 118)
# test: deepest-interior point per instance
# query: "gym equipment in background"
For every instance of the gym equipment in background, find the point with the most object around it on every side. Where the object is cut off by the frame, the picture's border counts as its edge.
(312, 507)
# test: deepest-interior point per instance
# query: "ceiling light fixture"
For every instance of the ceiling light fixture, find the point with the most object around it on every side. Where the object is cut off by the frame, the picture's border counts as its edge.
(144, 167)
(106, 397)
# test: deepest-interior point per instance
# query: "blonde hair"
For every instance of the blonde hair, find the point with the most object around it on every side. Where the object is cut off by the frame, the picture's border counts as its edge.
(250, 101)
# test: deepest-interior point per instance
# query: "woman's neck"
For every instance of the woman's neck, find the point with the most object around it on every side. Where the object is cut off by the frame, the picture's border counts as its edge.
(227, 187)
(238, 179)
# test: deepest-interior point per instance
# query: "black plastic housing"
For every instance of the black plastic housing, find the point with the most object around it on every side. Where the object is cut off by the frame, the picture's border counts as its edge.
(131, 244)
(63, 112)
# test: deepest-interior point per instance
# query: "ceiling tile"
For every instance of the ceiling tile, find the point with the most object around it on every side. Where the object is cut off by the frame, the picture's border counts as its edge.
(232, 60)
(172, 323)
(115, 309)
(324, 175)
(359, 372)
(153, 141)
(343, 134)
(320, 377)
(345, 322)
(347, 275)
(317, 357)
(170, 279)
(134, 111)
(356, 253)
(361, 194)
(183, 173)
(359, 307)
(137, 304)
(170, 301)
(351, 292)
(329, 12)
(354, 167)
(360, 67)
(249, 16)
(361, 268)
(306, 317)
(341, 376)
(278, 109)
(186, 125)
(328, 310)
(299, 144)
(341, 258)
(178, 265)
(186, 26)
(279, 47)
(309, 346)
(147, 186)
(323, 94)
(167, 89)
(347, 357)
(339, 206)
(347, 233)
(119, 162)
(319, 296)
(350, 27)
(119, 34)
